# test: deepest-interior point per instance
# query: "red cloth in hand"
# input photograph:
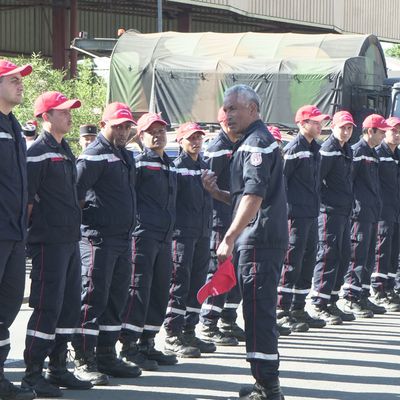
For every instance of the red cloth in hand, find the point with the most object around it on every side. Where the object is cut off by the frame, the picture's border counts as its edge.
(223, 280)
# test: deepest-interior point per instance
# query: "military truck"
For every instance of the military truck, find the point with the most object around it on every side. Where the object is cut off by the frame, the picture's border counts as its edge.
(184, 75)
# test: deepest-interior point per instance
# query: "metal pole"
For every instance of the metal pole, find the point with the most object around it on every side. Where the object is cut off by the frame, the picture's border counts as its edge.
(159, 16)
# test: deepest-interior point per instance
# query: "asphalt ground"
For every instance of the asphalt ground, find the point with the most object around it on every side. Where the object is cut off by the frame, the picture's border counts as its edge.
(358, 360)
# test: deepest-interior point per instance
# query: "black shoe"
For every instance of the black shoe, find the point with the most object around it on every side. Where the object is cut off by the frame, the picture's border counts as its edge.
(232, 329)
(322, 312)
(130, 352)
(108, 363)
(335, 310)
(191, 339)
(34, 381)
(382, 300)
(214, 335)
(8, 391)
(357, 309)
(147, 348)
(86, 369)
(177, 345)
(284, 330)
(393, 296)
(67, 380)
(285, 320)
(260, 392)
(366, 303)
(303, 316)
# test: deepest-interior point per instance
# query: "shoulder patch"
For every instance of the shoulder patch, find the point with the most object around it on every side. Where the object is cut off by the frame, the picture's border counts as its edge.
(255, 159)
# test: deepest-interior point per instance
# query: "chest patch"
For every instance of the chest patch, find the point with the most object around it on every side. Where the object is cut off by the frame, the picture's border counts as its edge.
(255, 159)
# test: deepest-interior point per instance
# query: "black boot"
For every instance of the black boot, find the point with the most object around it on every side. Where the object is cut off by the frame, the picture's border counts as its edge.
(8, 391)
(110, 364)
(58, 374)
(146, 346)
(86, 368)
(130, 352)
(265, 391)
(190, 338)
(34, 380)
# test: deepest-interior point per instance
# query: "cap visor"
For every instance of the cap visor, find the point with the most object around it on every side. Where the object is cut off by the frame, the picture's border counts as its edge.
(24, 71)
(343, 123)
(119, 121)
(147, 126)
(190, 133)
(74, 103)
(320, 118)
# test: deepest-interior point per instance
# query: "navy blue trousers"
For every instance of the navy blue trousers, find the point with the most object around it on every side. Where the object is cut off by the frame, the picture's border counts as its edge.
(259, 271)
(299, 263)
(333, 257)
(12, 283)
(145, 308)
(55, 299)
(191, 258)
(386, 256)
(106, 273)
(358, 276)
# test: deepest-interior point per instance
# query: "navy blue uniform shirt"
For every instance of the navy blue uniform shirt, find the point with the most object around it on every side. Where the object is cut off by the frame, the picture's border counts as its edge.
(56, 215)
(389, 178)
(156, 196)
(367, 197)
(218, 156)
(335, 175)
(13, 183)
(106, 181)
(256, 169)
(301, 170)
(193, 202)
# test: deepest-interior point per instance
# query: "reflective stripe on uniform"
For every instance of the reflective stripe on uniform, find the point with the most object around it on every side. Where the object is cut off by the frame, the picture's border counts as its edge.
(109, 328)
(99, 157)
(45, 156)
(152, 328)
(366, 158)
(5, 135)
(330, 153)
(174, 310)
(219, 153)
(131, 327)
(254, 149)
(4, 342)
(300, 154)
(41, 335)
(211, 307)
(262, 356)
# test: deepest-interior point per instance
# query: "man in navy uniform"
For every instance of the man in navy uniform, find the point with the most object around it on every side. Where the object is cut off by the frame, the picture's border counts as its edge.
(364, 219)
(301, 170)
(222, 307)
(387, 245)
(54, 221)
(259, 232)
(334, 221)
(106, 191)
(13, 202)
(152, 258)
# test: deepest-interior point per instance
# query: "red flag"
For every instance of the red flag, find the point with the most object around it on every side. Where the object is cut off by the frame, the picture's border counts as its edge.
(223, 280)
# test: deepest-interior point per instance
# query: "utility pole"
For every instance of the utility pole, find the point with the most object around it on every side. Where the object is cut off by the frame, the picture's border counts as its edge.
(159, 16)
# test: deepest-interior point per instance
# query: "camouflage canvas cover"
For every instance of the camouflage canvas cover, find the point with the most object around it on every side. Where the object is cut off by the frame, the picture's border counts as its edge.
(184, 75)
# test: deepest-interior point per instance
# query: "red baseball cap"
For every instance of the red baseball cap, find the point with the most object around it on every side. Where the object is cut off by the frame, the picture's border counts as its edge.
(342, 118)
(9, 68)
(376, 121)
(221, 115)
(276, 133)
(117, 113)
(187, 129)
(53, 101)
(393, 121)
(146, 120)
(310, 112)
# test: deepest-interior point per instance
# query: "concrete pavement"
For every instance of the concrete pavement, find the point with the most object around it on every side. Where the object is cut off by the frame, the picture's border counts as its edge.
(355, 361)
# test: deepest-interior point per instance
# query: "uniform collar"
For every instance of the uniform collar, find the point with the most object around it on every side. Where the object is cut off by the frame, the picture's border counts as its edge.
(51, 141)
(250, 129)
(152, 154)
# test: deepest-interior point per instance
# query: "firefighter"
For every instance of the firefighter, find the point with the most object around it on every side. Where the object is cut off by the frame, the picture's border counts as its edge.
(87, 135)
(364, 219)
(387, 245)
(53, 236)
(152, 238)
(259, 232)
(222, 307)
(334, 221)
(301, 170)
(190, 246)
(106, 191)
(13, 203)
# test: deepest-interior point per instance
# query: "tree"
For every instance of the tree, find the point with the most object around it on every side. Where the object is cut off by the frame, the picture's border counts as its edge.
(394, 51)
(87, 87)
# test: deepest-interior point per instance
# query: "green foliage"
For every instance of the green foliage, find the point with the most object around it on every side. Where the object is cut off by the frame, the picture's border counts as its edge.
(87, 87)
(394, 51)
